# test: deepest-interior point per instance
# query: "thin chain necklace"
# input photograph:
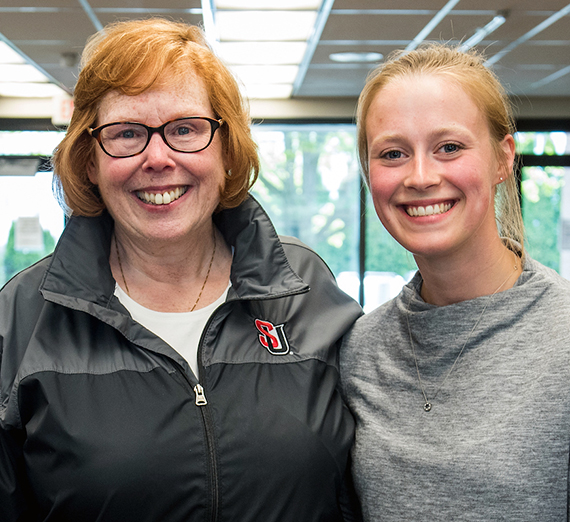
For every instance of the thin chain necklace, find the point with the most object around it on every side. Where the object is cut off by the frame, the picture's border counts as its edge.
(427, 401)
(201, 289)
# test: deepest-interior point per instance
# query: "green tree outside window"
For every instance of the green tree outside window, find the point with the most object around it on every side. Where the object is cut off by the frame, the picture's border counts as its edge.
(15, 261)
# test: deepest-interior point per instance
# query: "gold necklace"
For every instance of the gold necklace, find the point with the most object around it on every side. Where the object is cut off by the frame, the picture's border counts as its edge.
(201, 289)
(427, 403)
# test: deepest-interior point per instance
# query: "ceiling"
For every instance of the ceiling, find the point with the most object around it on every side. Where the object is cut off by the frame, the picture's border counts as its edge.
(531, 49)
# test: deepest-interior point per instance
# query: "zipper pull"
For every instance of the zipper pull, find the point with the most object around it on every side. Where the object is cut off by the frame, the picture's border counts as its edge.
(200, 396)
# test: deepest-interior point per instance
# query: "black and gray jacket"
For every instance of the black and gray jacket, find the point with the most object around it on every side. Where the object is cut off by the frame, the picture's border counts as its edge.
(102, 420)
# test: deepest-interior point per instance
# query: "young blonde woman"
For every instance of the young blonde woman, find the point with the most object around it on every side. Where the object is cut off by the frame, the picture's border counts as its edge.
(461, 384)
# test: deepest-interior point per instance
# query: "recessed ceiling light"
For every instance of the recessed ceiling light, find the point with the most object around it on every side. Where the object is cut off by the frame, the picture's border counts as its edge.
(351, 57)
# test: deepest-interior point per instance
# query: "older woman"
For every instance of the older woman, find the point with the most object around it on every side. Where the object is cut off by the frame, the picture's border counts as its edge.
(173, 360)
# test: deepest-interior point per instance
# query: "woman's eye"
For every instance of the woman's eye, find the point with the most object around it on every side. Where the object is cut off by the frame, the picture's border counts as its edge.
(184, 130)
(127, 134)
(450, 148)
(392, 155)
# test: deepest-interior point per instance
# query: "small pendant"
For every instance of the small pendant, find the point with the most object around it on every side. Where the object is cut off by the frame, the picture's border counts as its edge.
(427, 406)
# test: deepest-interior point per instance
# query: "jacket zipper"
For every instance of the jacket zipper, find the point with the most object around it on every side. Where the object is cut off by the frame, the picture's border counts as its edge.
(201, 402)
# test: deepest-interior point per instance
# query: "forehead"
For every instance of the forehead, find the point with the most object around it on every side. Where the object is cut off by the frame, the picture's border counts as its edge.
(173, 96)
(421, 100)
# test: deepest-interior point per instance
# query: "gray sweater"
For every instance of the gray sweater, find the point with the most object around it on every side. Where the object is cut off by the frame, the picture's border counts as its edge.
(495, 445)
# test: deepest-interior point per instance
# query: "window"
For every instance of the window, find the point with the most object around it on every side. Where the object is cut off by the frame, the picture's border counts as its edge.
(311, 188)
(31, 221)
(545, 191)
(309, 185)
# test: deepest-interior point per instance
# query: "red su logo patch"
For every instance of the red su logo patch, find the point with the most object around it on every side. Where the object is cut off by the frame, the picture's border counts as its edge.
(272, 337)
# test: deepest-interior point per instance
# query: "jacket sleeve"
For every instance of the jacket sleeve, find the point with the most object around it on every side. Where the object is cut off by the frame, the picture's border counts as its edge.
(16, 504)
(16, 501)
(348, 501)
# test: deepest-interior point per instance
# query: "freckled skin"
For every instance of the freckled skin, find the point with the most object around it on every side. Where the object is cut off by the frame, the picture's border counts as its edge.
(160, 169)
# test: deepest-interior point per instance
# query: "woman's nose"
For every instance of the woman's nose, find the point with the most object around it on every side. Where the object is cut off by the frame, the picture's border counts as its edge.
(423, 173)
(158, 154)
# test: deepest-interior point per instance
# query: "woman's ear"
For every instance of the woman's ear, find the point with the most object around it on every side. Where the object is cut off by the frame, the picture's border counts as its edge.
(226, 160)
(508, 156)
(92, 171)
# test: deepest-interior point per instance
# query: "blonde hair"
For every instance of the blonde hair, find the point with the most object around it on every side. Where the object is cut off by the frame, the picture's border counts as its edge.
(131, 58)
(466, 69)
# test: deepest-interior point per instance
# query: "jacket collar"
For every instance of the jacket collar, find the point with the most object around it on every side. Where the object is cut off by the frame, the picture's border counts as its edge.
(79, 268)
(260, 266)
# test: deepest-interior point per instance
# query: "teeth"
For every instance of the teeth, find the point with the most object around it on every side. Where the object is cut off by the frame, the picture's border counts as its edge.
(162, 198)
(429, 210)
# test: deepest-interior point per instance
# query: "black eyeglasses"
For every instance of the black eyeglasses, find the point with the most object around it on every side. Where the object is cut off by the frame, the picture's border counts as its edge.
(125, 139)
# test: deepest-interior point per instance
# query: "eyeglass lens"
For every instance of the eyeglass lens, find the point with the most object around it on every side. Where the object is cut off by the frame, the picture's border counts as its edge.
(184, 135)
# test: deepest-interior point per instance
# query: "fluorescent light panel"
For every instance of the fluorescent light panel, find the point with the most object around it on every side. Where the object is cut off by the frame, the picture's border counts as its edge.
(265, 25)
(356, 57)
(29, 90)
(8, 55)
(269, 91)
(482, 32)
(264, 74)
(279, 5)
(19, 79)
(262, 53)
(264, 42)
(19, 73)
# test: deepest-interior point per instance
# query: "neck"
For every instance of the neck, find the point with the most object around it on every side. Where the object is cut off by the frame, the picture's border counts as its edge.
(466, 276)
(170, 277)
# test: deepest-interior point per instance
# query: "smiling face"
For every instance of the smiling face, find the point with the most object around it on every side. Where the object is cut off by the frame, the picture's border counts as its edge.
(433, 169)
(160, 195)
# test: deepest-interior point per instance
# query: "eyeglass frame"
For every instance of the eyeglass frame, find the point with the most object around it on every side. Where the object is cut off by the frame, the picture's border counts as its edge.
(214, 126)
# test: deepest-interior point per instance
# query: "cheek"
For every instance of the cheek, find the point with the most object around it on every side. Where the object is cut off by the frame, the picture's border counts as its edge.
(115, 173)
(478, 179)
(381, 189)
